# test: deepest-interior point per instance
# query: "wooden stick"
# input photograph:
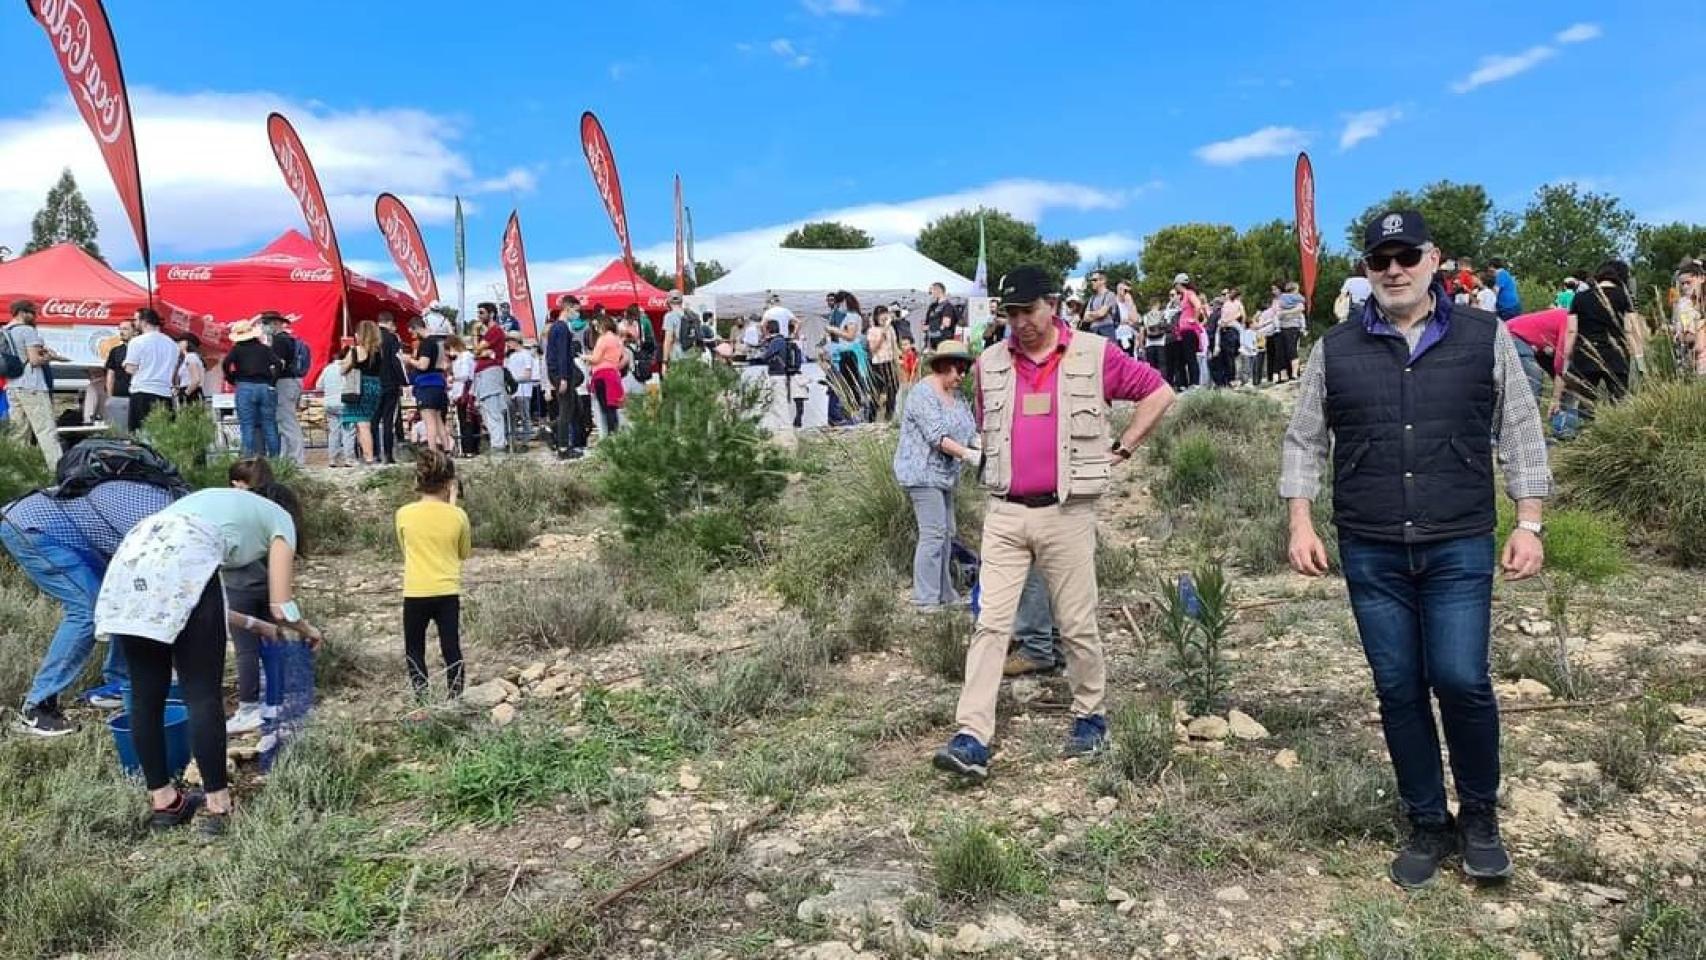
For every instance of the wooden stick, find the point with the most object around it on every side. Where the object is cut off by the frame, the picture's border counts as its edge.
(1132, 621)
(685, 856)
(397, 940)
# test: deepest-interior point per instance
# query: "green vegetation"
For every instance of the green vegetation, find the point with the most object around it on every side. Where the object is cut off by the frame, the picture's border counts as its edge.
(577, 611)
(1198, 642)
(1644, 461)
(972, 861)
(1631, 748)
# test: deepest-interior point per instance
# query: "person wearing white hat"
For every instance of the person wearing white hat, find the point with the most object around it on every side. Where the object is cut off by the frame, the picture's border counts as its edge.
(252, 368)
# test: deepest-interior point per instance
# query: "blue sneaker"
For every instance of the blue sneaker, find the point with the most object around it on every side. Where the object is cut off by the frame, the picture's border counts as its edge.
(1089, 735)
(964, 756)
(107, 696)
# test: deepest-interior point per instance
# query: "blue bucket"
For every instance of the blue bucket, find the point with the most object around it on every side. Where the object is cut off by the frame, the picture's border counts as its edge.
(177, 740)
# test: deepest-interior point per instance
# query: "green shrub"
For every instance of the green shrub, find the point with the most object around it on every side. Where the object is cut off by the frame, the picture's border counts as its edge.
(666, 574)
(766, 681)
(578, 611)
(186, 437)
(27, 621)
(974, 861)
(22, 467)
(52, 908)
(1663, 926)
(940, 647)
(1338, 792)
(1583, 545)
(1643, 460)
(785, 771)
(1197, 643)
(1630, 750)
(510, 504)
(1140, 742)
(693, 456)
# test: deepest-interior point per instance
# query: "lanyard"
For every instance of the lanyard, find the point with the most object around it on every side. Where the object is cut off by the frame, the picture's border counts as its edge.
(1045, 371)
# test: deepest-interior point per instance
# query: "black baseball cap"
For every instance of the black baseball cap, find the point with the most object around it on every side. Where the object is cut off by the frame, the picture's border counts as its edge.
(1404, 227)
(1025, 285)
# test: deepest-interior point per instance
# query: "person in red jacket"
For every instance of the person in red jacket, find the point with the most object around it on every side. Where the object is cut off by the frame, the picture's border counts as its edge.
(489, 393)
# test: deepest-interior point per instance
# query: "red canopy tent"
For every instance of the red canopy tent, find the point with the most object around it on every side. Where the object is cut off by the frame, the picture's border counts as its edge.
(80, 300)
(290, 277)
(613, 289)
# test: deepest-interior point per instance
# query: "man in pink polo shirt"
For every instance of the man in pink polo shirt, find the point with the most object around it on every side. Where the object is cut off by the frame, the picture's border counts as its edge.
(1042, 406)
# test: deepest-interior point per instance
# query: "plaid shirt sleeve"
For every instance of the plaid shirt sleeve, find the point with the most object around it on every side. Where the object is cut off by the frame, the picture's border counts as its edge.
(1521, 436)
(1304, 450)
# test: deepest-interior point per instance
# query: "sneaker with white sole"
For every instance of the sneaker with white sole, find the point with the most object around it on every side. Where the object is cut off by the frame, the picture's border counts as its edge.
(247, 719)
(107, 696)
(45, 720)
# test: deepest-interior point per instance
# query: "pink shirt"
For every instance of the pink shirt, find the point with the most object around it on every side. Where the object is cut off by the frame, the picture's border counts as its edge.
(1035, 470)
(1544, 330)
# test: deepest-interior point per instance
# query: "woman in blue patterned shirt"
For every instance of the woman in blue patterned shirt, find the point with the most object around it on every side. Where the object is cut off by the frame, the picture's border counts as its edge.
(937, 434)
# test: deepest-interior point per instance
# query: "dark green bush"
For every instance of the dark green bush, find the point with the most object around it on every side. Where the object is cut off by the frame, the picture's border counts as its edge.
(694, 456)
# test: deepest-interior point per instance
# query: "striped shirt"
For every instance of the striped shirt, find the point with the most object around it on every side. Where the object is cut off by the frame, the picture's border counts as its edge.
(93, 524)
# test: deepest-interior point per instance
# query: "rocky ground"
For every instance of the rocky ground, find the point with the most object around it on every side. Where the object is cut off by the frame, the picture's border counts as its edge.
(513, 824)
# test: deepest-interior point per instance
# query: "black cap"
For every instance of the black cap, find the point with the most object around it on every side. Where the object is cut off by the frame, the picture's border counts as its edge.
(1024, 286)
(1396, 226)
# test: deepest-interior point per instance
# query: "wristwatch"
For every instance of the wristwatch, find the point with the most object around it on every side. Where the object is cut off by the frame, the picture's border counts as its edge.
(1532, 526)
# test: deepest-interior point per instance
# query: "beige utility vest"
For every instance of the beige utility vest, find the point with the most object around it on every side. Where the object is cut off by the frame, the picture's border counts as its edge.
(1082, 457)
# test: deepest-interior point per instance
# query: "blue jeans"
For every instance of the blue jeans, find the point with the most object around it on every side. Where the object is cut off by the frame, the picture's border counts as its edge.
(1033, 625)
(65, 575)
(1530, 367)
(1425, 613)
(257, 418)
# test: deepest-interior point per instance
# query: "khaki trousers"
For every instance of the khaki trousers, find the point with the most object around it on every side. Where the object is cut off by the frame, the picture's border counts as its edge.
(1061, 541)
(35, 408)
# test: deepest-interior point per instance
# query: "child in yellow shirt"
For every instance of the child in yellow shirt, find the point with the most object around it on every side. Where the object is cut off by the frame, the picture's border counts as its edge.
(436, 538)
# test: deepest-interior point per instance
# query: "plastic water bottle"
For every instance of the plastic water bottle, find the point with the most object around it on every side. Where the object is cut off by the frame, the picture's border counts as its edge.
(1188, 594)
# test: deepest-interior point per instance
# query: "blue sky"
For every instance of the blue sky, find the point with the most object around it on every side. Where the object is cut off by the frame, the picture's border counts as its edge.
(1101, 121)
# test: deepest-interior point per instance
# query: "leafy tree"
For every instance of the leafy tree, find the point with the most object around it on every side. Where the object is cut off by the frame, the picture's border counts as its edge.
(1116, 271)
(827, 235)
(664, 279)
(1566, 229)
(1212, 253)
(1458, 214)
(1659, 249)
(951, 241)
(65, 218)
(1271, 253)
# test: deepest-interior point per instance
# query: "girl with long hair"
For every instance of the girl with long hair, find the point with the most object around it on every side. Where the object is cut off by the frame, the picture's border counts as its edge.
(364, 359)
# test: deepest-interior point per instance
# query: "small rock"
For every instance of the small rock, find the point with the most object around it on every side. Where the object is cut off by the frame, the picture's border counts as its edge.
(511, 691)
(1172, 939)
(969, 939)
(1689, 716)
(689, 780)
(1286, 759)
(485, 695)
(1116, 895)
(1245, 727)
(1503, 918)
(1068, 906)
(657, 808)
(1126, 906)
(1584, 772)
(1107, 805)
(1601, 895)
(1180, 714)
(1541, 806)
(574, 843)
(1527, 689)
(1232, 895)
(1207, 728)
(533, 673)
(1536, 628)
(503, 714)
(757, 900)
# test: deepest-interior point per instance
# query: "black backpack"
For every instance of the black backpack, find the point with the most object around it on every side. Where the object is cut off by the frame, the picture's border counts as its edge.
(689, 333)
(100, 459)
(792, 359)
(11, 364)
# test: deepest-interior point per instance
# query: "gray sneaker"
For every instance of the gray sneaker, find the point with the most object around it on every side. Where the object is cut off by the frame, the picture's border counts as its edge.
(44, 720)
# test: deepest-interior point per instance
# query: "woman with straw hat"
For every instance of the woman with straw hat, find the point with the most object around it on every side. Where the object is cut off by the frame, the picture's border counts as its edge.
(937, 435)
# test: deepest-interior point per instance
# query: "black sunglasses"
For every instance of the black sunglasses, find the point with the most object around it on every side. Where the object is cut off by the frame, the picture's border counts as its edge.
(1378, 262)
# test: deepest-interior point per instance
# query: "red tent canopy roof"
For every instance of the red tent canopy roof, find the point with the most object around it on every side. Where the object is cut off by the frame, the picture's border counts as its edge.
(69, 286)
(613, 289)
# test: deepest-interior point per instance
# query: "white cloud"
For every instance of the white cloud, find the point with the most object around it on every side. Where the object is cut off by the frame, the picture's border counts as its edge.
(1118, 245)
(1266, 142)
(843, 8)
(1366, 125)
(210, 179)
(897, 222)
(1579, 33)
(519, 179)
(784, 48)
(1503, 67)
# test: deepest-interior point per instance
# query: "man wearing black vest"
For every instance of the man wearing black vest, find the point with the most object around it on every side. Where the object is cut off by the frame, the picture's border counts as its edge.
(1408, 396)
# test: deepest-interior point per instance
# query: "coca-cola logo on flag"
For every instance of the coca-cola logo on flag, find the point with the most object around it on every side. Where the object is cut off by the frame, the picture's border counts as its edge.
(603, 166)
(305, 185)
(78, 309)
(515, 271)
(1308, 233)
(196, 274)
(403, 237)
(88, 56)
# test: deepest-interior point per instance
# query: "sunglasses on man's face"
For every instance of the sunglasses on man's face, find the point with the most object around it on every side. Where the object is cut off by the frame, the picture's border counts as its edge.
(1408, 257)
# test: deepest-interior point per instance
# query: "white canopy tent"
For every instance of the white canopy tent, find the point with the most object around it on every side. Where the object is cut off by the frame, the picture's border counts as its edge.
(883, 274)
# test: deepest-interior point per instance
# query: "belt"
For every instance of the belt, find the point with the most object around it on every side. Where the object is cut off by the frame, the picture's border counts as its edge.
(1034, 500)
